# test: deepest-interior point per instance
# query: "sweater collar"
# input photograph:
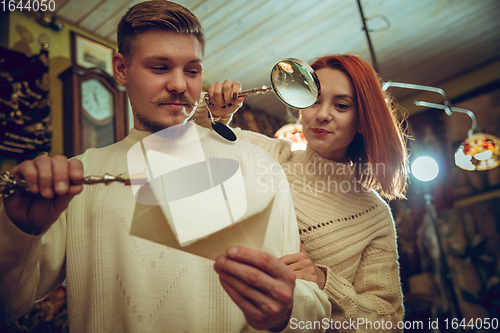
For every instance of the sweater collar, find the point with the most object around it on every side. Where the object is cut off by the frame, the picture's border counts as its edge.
(135, 136)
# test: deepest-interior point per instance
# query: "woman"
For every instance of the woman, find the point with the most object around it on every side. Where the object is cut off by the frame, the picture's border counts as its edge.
(355, 149)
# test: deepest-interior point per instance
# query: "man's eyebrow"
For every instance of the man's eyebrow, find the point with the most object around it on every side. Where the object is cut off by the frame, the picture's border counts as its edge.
(196, 61)
(162, 58)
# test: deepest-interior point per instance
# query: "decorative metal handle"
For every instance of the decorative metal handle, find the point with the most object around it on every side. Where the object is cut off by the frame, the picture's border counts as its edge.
(256, 91)
(8, 185)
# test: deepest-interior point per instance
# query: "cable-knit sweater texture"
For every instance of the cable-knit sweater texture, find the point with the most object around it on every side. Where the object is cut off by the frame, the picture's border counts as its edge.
(346, 230)
(120, 283)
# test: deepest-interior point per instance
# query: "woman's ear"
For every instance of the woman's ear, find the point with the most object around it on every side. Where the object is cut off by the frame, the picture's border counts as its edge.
(119, 67)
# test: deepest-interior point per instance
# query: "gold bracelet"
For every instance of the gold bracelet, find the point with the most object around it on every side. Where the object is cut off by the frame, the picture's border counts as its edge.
(215, 118)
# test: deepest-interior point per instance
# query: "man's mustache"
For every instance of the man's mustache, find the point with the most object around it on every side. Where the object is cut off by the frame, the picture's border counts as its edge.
(173, 99)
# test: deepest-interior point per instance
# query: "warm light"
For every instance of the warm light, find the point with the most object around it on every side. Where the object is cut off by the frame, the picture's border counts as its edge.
(425, 168)
(478, 152)
(292, 133)
(286, 67)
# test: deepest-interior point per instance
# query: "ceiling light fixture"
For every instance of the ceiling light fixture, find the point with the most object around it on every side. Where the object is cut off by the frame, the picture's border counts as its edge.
(479, 151)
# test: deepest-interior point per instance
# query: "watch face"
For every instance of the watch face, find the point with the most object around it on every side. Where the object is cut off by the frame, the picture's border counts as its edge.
(97, 100)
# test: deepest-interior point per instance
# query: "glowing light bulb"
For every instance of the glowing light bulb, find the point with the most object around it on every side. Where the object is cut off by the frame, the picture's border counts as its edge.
(425, 168)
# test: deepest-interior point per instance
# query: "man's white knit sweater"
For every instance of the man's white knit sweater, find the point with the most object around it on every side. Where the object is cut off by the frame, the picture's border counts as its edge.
(121, 283)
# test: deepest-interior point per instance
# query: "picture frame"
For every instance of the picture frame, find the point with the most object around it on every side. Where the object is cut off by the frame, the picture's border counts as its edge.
(88, 53)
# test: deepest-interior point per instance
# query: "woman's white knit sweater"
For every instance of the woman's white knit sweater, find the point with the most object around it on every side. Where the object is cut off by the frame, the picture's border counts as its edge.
(346, 230)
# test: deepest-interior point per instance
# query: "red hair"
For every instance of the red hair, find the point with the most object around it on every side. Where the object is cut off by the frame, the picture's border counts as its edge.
(381, 142)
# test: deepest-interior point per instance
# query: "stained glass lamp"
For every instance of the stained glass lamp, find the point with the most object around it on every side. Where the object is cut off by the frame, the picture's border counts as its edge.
(479, 152)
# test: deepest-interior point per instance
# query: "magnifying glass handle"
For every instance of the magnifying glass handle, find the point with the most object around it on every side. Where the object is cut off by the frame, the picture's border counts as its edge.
(256, 91)
(293, 82)
(8, 185)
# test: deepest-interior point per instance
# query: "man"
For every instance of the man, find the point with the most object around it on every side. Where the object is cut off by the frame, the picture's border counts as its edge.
(117, 282)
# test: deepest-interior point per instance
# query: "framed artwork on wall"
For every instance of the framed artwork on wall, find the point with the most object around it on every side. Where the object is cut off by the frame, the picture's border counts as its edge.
(88, 53)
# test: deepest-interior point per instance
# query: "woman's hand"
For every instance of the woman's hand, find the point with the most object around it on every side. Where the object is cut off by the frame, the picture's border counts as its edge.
(304, 268)
(225, 97)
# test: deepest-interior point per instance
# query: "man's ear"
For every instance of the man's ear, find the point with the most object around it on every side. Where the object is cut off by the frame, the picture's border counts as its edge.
(119, 67)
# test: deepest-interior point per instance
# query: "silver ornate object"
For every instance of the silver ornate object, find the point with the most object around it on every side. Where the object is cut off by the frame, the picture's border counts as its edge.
(256, 91)
(8, 185)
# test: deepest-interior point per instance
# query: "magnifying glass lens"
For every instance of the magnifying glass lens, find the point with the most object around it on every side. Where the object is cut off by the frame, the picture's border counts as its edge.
(293, 82)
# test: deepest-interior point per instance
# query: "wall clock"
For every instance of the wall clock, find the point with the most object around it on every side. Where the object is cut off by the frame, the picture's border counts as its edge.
(94, 110)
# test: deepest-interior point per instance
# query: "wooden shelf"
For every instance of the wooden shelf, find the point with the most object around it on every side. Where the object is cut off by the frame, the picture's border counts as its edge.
(477, 198)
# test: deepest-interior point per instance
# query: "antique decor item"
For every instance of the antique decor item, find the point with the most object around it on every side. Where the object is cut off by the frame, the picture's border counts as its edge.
(479, 151)
(292, 80)
(95, 110)
(8, 185)
(25, 129)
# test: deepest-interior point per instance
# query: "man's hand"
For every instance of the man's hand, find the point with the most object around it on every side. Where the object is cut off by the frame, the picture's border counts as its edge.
(48, 180)
(259, 284)
(225, 96)
(304, 268)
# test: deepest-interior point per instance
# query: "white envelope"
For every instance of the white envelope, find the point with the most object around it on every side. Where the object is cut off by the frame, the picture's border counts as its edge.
(151, 222)
(199, 198)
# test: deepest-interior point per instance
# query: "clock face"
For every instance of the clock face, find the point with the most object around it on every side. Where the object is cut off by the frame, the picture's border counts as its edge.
(97, 100)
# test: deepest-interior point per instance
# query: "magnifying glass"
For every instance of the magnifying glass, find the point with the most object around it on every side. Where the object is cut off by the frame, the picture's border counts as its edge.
(293, 81)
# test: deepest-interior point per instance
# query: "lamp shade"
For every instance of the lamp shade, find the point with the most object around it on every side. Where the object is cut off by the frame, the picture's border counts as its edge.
(481, 151)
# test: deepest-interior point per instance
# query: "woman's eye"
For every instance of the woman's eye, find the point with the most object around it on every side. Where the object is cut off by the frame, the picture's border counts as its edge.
(342, 106)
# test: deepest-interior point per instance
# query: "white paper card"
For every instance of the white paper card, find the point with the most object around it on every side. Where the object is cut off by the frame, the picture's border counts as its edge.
(190, 215)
